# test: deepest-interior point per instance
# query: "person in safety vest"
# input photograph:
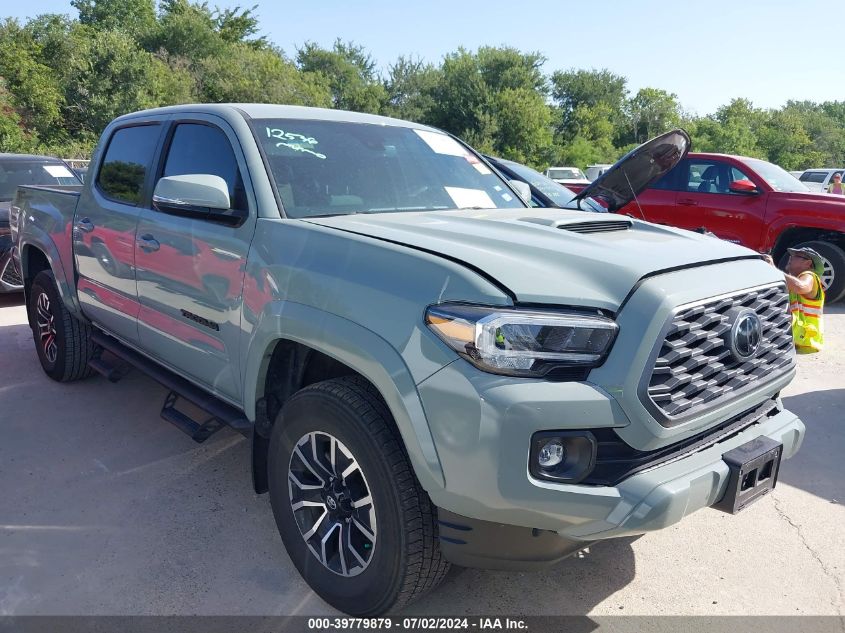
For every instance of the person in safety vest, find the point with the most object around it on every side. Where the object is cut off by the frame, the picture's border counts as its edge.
(806, 298)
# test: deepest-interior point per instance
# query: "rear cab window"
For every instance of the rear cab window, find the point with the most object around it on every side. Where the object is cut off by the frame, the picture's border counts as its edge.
(127, 162)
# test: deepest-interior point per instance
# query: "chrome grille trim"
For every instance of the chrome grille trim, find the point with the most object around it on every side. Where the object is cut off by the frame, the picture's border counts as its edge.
(691, 370)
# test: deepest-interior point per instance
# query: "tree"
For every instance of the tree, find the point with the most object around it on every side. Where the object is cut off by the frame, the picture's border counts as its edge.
(495, 100)
(246, 74)
(652, 111)
(578, 88)
(409, 89)
(13, 135)
(349, 72)
(135, 17)
(524, 122)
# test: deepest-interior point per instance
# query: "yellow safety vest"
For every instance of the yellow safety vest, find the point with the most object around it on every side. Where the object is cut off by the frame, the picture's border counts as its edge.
(807, 323)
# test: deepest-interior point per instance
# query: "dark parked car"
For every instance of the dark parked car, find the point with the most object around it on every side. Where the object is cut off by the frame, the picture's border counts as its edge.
(22, 169)
(545, 192)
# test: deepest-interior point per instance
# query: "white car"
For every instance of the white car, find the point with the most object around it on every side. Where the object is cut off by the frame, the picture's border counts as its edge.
(567, 175)
(819, 179)
(594, 171)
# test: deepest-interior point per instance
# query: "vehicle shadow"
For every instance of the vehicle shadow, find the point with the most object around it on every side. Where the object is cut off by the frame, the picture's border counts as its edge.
(818, 467)
(11, 300)
(572, 587)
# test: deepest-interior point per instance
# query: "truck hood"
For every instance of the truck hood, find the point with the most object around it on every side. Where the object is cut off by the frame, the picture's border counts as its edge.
(827, 201)
(636, 170)
(547, 256)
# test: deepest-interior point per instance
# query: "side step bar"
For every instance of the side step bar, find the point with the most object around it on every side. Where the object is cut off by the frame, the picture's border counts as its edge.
(221, 412)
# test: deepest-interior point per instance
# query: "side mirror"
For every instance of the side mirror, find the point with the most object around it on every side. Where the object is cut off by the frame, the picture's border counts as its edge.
(743, 186)
(523, 189)
(200, 196)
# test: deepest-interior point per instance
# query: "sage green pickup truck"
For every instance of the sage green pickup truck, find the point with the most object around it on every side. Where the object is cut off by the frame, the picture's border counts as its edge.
(429, 370)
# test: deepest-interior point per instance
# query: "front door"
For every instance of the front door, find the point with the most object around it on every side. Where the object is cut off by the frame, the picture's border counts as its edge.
(104, 229)
(735, 217)
(191, 271)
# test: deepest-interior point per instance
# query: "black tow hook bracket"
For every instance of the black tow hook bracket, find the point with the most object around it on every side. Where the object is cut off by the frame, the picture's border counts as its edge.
(197, 431)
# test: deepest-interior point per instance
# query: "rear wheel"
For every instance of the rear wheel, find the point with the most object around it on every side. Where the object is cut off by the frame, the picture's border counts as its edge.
(353, 518)
(833, 276)
(62, 341)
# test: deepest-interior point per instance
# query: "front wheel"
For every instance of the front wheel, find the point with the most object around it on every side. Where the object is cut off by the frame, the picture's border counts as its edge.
(353, 518)
(62, 341)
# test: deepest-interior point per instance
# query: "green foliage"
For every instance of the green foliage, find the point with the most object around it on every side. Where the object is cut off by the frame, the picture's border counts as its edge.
(62, 79)
(130, 16)
(248, 75)
(409, 89)
(349, 72)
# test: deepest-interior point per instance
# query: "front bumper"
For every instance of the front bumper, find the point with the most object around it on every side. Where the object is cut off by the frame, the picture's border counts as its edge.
(482, 425)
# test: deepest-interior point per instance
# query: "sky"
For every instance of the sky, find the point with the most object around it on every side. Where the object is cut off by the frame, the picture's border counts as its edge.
(706, 53)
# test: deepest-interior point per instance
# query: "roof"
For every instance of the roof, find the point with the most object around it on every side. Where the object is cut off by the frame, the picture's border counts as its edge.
(718, 155)
(30, 157)
(273, 111)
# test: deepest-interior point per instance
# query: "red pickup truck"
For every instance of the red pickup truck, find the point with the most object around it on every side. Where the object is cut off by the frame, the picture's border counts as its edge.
(750, 202)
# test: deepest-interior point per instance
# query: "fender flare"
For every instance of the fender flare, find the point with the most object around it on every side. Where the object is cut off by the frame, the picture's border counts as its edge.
(39, 240)
(359, 348)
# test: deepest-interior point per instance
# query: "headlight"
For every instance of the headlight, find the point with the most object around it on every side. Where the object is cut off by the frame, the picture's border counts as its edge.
(522, 342)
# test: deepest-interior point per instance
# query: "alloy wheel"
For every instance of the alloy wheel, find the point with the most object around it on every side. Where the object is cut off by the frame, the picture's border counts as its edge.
(331, 502)
(827, 273)
(46, 327)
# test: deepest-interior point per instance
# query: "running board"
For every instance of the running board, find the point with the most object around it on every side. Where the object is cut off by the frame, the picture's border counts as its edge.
(221, 412)
(198, 431)
(112, 373)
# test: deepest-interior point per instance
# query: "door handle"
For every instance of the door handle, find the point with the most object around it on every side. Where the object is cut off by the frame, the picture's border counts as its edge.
(85, 225)
(687, 202)
(148, 243)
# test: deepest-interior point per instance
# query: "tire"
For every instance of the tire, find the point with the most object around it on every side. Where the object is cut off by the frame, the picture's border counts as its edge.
(398, 552)
(834, 277)
(62, 341)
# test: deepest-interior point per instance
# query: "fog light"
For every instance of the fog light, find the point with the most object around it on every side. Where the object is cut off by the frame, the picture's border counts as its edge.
(562, 456)
(551, 454)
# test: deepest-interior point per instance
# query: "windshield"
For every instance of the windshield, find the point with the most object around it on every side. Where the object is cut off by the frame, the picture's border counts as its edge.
(778, 178)
(566, 174)
(338, 168)
(25, 172)
(559, 195)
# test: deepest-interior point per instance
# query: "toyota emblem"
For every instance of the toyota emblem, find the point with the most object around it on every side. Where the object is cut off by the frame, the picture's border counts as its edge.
(745, 335)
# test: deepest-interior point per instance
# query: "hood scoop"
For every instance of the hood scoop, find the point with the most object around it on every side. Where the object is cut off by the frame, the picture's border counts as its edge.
(589, 226)
(607, 226)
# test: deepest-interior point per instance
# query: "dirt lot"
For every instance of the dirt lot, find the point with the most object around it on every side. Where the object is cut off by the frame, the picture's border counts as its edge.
(107, 509)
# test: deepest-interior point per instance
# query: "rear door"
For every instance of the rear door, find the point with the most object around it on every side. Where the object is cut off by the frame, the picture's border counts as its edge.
(657, 203)
(104, 228)
(191, 270)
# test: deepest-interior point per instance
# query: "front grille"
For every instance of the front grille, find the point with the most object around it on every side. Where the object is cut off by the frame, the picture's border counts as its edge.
(695, 368)
(10, 276)
(598, 227)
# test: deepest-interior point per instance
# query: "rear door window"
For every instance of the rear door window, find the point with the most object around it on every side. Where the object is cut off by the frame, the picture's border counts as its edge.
(127, 162)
